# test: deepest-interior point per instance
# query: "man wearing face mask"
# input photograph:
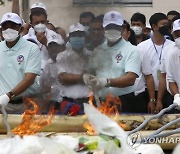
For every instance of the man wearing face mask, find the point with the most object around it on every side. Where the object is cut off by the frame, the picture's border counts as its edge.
(38, 20)
(71, 64)
(163, 83)
(115, 64)
(152, 55)
(173, 73)
(19, 65)
(138, 23)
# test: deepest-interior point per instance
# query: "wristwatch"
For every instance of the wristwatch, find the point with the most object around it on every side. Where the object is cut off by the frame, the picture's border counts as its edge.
(153, 100)
(11, 94)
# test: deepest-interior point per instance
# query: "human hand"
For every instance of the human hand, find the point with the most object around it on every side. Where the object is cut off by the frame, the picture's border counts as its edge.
(99, 83)
(87, 78)
(158, 107)
(177, 101)
(4, 100)
(151, 107)
(41, 38)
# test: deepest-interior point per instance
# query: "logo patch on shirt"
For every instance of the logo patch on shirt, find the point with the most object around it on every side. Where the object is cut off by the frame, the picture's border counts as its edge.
(119, 57)
(20, 58)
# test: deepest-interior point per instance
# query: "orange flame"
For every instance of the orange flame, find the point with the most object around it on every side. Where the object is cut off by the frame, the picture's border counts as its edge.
(109, 108)
(32, 124)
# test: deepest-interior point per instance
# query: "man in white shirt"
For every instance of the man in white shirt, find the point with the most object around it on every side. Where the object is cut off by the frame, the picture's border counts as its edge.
(71, 64)
(153, 49)
(49, 77)
(38, 19)
(115, 64)
(173, 73)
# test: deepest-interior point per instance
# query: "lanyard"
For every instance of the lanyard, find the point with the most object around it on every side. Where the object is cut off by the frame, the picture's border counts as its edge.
(157, 50)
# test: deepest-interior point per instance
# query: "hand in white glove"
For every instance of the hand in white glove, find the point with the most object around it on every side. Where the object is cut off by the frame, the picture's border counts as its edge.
(99, 83)
(87, 78)
(4, 100)
(177, 101)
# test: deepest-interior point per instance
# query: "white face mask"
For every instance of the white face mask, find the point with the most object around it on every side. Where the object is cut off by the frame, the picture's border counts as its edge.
(137, 30)
(40, 28)
(177, 42)
(10, 34)
(112, 35)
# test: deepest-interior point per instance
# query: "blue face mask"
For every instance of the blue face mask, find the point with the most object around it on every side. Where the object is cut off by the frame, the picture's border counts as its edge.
(77, 43)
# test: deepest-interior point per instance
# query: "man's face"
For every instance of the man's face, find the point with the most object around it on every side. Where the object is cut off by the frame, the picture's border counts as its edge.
(137, 23)
(38, 19)
(85, 21)
(176, 34)
(11, 25)
(161, 23)
(54, 49)
(170, 17)
(96, 31)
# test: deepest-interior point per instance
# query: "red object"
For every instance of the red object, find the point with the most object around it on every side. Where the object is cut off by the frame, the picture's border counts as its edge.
(74, 110)
(63, 106)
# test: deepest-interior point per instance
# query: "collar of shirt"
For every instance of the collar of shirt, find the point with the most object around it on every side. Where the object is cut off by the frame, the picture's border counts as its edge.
(16, 47)
(116, 46)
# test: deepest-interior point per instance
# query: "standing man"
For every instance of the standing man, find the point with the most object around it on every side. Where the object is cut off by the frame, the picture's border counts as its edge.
(138, 23)
(38, 19)
(173, 74)
(19, 65)
(115, 64)
(71, 64)
(152, 50)
(96, 30)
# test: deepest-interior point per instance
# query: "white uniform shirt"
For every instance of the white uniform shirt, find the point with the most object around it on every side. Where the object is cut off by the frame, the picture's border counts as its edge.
(165, 60)
(50, 76)
(152, 58)
(70, 61)
(173, 73)
(43, 50)
(140, 81)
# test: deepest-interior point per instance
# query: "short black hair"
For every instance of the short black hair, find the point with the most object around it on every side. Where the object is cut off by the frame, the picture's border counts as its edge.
(38, 13)
(87, 14)
(138, 17)
(156, 17)
(173, 12)
(98, 19)
(176, 18)
(126, 25)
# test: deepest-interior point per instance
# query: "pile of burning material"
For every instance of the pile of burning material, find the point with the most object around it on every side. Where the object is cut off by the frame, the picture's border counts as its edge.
(111, 139)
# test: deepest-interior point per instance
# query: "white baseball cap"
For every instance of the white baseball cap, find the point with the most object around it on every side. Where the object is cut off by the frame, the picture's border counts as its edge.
(38, 5)
(76, 27)
(113, 17)
(55, 38)
(13, 17)
(176, 25)
(31, 37)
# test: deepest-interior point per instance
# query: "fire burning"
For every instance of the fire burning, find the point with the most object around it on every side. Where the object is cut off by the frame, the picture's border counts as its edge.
(32, 124)
(108, 107)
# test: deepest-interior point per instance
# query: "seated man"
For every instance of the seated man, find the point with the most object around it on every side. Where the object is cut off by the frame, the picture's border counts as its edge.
(115, 64)
(71, 64)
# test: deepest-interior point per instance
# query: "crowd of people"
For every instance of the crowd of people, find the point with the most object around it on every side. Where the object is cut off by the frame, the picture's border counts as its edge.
(137, 61)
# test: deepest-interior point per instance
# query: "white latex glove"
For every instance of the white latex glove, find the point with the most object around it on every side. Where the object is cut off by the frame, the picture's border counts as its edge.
(99, 83)
(177, 100)
(87, 79)
(4, 100)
